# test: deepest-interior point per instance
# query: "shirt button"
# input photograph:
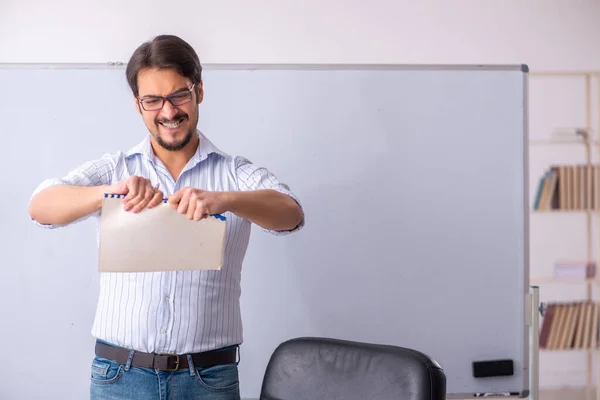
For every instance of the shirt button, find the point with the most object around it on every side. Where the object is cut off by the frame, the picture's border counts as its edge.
(167, 299)
(163, 331)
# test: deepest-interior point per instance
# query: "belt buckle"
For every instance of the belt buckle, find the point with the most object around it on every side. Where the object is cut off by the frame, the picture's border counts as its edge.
(177, 356)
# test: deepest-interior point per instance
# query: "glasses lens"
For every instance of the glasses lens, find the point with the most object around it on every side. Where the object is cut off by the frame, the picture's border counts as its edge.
(181, 98)
(152, 104)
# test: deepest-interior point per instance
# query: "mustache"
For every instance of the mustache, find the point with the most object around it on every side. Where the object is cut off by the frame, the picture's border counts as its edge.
(176, 118)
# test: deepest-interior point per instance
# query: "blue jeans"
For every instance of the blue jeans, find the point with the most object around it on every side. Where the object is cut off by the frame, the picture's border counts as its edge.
(110, 380)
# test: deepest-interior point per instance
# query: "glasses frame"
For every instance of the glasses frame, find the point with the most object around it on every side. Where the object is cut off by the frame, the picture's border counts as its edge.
(167, 98)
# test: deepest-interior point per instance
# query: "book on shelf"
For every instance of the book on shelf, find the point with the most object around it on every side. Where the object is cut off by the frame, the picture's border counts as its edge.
(574, 269)
(569, 326)
(569, 187)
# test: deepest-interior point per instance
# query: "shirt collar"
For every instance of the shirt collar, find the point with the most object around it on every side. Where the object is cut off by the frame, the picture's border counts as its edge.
(205, 148)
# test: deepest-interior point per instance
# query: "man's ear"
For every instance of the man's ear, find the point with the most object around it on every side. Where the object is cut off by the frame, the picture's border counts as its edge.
(137, 104)
(200, 92)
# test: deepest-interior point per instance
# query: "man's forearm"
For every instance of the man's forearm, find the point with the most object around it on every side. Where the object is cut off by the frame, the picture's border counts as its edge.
(63, 204)
(267, 208)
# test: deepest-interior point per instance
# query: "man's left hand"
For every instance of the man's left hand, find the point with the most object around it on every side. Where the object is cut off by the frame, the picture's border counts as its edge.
(198, 204)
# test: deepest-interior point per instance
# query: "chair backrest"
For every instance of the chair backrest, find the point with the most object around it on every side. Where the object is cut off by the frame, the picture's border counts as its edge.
(312, 368)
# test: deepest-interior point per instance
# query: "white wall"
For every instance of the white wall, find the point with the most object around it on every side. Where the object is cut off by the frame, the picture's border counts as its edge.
(546, 35)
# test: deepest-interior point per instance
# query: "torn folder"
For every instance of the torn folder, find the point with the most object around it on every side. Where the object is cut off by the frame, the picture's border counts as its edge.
(157, 239)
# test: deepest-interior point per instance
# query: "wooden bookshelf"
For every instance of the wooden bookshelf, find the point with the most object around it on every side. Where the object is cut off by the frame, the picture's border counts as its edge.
(573, 188)
(540, 280)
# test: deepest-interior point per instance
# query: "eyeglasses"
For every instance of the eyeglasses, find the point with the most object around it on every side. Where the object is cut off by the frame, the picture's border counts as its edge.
(154, 103)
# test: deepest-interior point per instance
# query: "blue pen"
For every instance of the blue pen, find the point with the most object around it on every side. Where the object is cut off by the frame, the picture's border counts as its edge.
(118, 196)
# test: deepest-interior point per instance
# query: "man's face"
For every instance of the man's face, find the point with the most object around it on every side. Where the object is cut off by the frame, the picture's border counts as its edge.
(171, 126)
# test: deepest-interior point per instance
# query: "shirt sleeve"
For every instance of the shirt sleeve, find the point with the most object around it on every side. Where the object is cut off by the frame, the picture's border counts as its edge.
(252, 177)
(91, 173)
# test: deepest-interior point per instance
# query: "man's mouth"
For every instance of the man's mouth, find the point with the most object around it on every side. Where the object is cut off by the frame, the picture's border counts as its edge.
(172, 124)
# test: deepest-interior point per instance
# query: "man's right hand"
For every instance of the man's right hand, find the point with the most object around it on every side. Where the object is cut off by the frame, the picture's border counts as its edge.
(139, 193)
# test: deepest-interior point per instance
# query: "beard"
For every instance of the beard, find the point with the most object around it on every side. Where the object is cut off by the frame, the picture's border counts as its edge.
(175, 146)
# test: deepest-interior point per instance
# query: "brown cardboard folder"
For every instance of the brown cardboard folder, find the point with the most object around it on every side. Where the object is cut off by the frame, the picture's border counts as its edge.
(157, 239)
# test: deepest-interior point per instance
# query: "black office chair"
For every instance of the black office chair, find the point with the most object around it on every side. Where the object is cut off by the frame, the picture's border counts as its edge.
(313, 368)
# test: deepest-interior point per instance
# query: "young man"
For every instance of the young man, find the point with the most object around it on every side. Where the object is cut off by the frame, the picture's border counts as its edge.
(170, 334)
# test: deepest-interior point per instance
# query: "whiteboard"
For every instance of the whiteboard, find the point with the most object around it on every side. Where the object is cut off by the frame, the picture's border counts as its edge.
(413, 180)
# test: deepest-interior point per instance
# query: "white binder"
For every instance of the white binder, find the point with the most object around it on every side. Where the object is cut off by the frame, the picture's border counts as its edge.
(158, 239)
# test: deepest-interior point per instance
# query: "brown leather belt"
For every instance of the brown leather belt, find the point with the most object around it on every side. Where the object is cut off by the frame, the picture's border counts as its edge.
(167, 362)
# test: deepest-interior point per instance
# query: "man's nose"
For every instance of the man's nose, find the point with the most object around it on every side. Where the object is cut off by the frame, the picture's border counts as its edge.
(168, 111)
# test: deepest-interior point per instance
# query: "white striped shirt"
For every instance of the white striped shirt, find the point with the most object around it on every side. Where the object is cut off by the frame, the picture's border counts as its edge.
(175, 311)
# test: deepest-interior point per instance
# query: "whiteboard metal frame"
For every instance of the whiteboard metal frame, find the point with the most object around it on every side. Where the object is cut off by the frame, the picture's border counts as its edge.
(290, 66)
